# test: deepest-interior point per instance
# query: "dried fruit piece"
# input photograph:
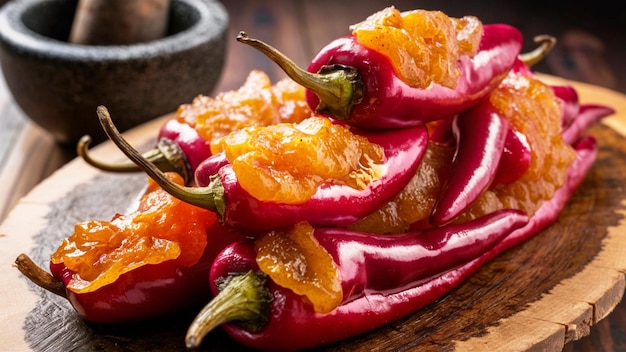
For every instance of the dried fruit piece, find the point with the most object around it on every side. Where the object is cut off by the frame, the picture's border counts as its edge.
(295, 260)
(162, 228)
(423, 46)
(255, 103)
(287, 162)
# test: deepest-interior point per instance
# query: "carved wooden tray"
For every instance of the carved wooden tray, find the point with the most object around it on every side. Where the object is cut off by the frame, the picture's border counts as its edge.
(536, 296)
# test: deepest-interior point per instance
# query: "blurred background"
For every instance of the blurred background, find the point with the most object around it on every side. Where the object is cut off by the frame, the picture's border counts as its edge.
(590, 34)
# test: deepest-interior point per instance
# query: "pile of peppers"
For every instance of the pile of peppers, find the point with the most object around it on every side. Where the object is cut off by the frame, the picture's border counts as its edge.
(453, 175)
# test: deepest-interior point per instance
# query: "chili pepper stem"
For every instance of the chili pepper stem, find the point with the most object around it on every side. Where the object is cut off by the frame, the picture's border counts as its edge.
(338, 87)
(242, 298)
(210, 197)
(38, 276)
(167, 156)
(546, 43)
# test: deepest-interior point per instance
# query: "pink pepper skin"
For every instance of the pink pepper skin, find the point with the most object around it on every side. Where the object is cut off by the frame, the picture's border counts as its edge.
(515, 159)
(588, 114)
(209, 167)
(516, 156)
(349, 82)
(570, 104)
(480, 133)
(386, 262)
(144, 293)
(195, 148)
(369, 266)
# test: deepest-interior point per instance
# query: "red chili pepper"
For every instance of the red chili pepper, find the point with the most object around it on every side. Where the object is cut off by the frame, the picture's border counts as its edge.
(488, 150)
(480, 134)
(149, 291)
(369, 266)
(588, 114)
(569, 102)
(195, 148)
(264, 325)
(179, 149)
(515, 159)
(350, 82)
(143, 293)
(332, 205)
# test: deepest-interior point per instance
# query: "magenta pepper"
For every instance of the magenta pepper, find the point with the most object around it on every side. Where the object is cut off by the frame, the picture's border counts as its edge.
(369, 265)
(480, 133)
(141, 294)
(335, 205)
(179, 149)
(587, 115)
(195, 148)
(352, 83)
(569, 103)
(441, 131)
(515, 159)
(489, 151)
(288, 315)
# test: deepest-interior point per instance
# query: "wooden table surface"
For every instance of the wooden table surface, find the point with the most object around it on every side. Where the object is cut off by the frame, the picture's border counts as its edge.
(298, 28)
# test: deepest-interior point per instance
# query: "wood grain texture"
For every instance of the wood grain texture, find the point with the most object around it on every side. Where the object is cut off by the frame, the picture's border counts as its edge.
(537, 296)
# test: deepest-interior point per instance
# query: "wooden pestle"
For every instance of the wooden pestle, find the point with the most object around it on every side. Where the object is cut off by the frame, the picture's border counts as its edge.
(119, 22)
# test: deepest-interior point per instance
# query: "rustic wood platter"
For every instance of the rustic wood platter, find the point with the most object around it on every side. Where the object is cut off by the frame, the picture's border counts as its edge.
(537, 296)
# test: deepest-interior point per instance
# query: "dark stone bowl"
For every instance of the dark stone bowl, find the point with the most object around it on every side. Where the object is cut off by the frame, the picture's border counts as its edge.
(58, 85)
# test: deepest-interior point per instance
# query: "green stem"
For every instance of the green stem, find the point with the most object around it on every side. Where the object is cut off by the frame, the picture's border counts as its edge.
(242, 298)
(210, 197)
(167, 156)
(546, 43)
(338, 87)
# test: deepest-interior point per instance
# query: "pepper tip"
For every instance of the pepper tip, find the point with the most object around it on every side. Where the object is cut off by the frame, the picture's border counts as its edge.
(191, 342)
(242, 36)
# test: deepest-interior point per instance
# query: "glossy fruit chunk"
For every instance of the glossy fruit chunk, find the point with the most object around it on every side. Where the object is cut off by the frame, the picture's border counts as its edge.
(423, 46)
(286, 163)
(162, 228)
(256, 103)
(295, 260)
(533, 110)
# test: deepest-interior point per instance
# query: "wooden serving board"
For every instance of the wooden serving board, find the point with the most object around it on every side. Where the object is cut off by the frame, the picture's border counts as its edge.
(537, 296)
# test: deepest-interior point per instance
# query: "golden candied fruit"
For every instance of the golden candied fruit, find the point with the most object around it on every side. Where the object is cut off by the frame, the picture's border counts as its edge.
(162, 228)
(296, 261)
(423, 46)
(287, 162)
(256, 103)
(532, 109)
(416, 200)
